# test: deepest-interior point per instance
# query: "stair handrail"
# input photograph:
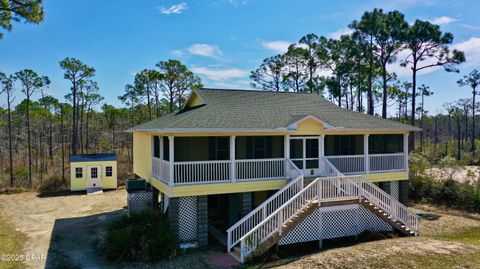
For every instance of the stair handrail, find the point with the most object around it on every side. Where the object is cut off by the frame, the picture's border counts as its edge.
(252, 219)
(389, 205)
(385, 201)
(272, 223)
(275, 221)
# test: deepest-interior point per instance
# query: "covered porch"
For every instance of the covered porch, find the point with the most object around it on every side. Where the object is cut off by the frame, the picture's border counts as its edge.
(182, 160)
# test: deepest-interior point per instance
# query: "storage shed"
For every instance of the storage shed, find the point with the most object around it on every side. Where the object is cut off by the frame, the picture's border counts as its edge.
(93, 172)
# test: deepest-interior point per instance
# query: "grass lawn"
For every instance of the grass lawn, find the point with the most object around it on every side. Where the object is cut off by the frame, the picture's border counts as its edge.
(469, 235)
(11, 242)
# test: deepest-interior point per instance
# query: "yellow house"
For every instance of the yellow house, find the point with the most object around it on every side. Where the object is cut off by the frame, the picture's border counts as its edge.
(260, 167)
(93, 172)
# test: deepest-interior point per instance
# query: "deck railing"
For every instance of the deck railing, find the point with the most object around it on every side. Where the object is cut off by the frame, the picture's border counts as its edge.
(387, 162)
(160, 169)
(260, 169)
(199, 172)
(349, 164)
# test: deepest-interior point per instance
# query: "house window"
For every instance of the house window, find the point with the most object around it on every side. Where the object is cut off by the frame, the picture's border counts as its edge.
(94, 172)
(78, 172)
(108, 171)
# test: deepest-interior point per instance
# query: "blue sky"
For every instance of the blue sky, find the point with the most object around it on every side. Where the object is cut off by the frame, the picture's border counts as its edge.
(221, 41)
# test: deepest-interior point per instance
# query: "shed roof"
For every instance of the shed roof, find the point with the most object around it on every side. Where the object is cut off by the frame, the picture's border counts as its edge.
(249, 109)
(99, 157)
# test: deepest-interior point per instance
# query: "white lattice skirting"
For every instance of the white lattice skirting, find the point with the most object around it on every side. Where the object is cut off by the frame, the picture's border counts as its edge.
(333, 222)
(395, 189)
(139, 201)
(187, 219)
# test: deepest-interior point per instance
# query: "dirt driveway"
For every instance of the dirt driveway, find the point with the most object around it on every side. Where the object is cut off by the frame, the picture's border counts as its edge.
(63, 227)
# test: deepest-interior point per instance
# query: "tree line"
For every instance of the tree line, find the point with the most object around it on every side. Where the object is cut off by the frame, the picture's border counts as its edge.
(39, 131)
(355, 66)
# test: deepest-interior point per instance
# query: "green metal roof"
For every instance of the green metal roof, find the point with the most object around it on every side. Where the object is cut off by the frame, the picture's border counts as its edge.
(264, 110)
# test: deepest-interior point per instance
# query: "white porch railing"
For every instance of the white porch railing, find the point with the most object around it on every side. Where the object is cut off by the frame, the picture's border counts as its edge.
(348, 164)
(260, 169)
(260, 213)
(160, 169)
(202, 172)
(387, 162)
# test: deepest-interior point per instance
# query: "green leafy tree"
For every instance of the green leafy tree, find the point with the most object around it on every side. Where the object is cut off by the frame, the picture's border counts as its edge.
(472, 80)
(76, 72)
(176, 81)
(311, 42)
(29, 11)
(268, 76)
(424, 92)
(425, 42)
(31, 82)
(296, 74)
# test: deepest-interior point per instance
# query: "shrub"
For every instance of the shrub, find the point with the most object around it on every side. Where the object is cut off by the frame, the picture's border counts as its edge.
(143, 237)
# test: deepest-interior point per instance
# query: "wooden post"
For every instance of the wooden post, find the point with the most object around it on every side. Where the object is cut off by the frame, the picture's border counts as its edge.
(365, 153)
(171, 157)
(232, 159)
(405, 150)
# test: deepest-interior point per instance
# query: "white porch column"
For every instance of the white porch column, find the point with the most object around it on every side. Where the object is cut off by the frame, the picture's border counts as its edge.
(405, 150)
(286, 152)
(171, 157)
(232, 159)
(365, 153)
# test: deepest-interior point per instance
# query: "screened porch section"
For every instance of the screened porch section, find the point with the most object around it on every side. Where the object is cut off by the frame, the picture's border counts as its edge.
(218, 159)
(361, 154)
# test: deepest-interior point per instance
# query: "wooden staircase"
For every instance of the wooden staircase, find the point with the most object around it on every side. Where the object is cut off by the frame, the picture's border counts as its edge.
(387, 218)
(265, 226)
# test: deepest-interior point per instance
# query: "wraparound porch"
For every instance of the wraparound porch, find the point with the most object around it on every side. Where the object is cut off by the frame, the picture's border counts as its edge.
(237, 159)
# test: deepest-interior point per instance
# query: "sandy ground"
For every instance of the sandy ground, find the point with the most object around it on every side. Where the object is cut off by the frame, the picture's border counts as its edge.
(68, 227)
(465, 173)
(359, 256)
(62, 225)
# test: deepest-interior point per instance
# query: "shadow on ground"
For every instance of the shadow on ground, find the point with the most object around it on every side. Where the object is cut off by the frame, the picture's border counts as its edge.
(75, 242)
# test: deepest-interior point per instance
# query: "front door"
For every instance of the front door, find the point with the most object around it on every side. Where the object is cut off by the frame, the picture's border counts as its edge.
(94, 174)
(304, 152)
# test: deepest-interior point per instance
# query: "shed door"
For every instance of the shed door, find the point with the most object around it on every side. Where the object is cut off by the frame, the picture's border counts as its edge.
(94, 174)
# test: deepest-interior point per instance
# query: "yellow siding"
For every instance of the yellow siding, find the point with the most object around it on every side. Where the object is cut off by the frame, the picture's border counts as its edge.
(220, 188)
(79, 184)
(393, 176)
(142, 154)
(309, 127)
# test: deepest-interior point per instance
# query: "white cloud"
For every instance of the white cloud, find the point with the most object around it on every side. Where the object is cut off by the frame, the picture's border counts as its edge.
(205, 50)
(220, 74)
(174, 9)
(471, 48)
(443, 20)
(343, 31)
(177, 53)
(279, 46)
(237, 2)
